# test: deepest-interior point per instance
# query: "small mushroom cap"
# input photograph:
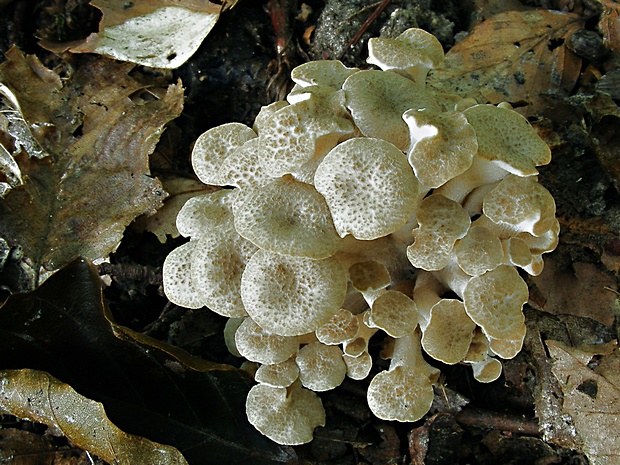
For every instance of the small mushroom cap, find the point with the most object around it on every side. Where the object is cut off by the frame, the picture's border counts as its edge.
(522, 204)
(288, 217)
(508, 139)
(442, 146)
(394, 313)
(495, 300)
(321, 367)
(415, 52)
(330, 73)
(281, 374)
(377, 101)
(359, 344)
(358, 367)
(200, 214)
(342, 327)
(487, 371)
(479, 251)
(369, 276)
(369, 187)
(449, 332)
(242, 168)
(214, 146)
(442, 221)
(258, 345)
(285, 415)
(508, 348)
(177, 277)
(292, 296)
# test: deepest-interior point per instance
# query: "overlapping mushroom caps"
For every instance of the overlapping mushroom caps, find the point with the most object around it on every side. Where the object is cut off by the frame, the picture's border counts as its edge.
(347, 213)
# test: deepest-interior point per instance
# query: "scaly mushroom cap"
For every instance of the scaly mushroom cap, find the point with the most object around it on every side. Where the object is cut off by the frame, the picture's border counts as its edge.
(342, 327)
(259, 345)
(508, 348)
(179, 286)
(369, 187)
(292, 296)
(377, 101)
(369, 276)
(358, 367)
(442, 222)
(330, 73)
(214, 146)
(203, 213)
(242, 169)
(281, 374)
(494, 300)
(394, 313)
(321, 367)
(521, 204)
(479, 251)
(285, 415)
(507, 138)
(442, 146)
(288, 217)
(266, 113)
(414, 52)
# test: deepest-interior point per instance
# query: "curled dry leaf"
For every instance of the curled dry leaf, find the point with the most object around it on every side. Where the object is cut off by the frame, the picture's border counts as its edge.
(516, 57)
(609, 24)
(40, 397)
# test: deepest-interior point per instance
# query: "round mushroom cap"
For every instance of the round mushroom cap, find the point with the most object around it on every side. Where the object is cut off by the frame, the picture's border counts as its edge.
(487, 371)
(358, 367)
(281, 374)
(342, 327)
(321, 367)
(442, 146)
(442, 222)
(508, 348)
(394, 313)
(292, 296)
(479, 251)
(214, 146)
(242, 168)
(258, 345)
(288, 217)
(522, 204)
(285, 415)
(203, 213)
(449, 332)
(415, 52)
(330, 73)
(218, 262)
(400, 394)
(369, 276)
(507, 138)
(369, 187)
(266, 113)
(494, 300)
(377, 101)
(179, 287)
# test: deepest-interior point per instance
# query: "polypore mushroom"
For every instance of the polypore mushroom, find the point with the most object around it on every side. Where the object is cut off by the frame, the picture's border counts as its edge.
(442, 146)
(358, 367)
(330, 73)
(281, 374)
(377, 101)
(370, 278)
(321, 367)
(292, 295)
(203, 213)
(342, 327)
(442, 222)
(242, 169)
(359, 344)
(394, 313)
(286, 415)
(479, 251)
(179, 286)
(369, 187)
(288, 217)
(405, 391)
(258, 345)
(486, 369)
(415, 52)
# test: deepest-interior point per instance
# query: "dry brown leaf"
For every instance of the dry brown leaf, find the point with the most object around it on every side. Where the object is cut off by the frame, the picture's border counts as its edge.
(99, 134)
(40, 397)
(592, 400)
(609, 24)
(514, 57)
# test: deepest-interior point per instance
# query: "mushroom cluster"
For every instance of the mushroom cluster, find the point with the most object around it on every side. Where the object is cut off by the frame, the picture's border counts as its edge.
(365, 205)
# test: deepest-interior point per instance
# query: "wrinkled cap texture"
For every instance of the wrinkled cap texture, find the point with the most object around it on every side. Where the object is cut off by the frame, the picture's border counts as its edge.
(321, 367)
(258, 345)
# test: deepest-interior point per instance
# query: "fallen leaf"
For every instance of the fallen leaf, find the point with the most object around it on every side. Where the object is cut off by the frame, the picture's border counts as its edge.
(591, 400)
(148, 388)
(609, 24)
(156, 33)
(99, 134)
(514, 57)
(40, 397)
(20, 447)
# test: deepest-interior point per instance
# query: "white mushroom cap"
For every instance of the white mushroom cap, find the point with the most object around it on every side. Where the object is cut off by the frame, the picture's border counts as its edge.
(358, 367)
(266, 113)
(359, 344)
(486, 369)
(179, 286)
(321, 367)
(214, 146)
(281, 374)
(242, 169)
(285, 415)
(442, 221)
(377, 101)
(494, 300)
(414, 52)
(479, 251)
(442, 146)
(342, 327)
(330, 73)
(288, 217)
(369, 187)
(258, 345)
(369, 275)
(292, 296)
(200, 214)
(508, 348)
(394, 313)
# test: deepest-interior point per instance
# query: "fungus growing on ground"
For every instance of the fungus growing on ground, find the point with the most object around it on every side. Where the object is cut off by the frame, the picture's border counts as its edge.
(365, 207)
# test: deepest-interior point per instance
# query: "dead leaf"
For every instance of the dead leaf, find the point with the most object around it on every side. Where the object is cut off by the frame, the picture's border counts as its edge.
(99, 134)
(156, 33)
(19, 447)
(514, 57)
(40, 397)
(591, 400)
(609, 24)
